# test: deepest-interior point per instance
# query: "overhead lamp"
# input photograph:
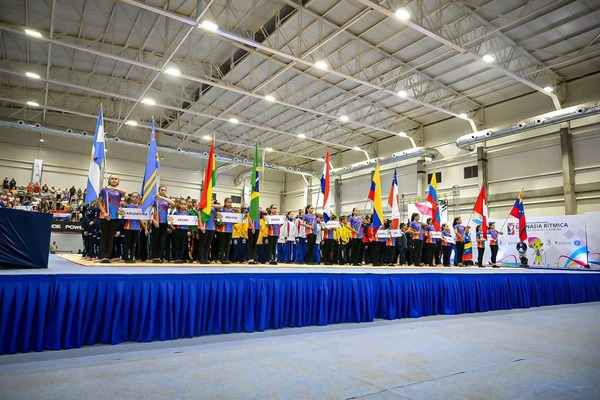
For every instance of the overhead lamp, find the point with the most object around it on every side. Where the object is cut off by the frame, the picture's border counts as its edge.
(402, 133)
(207, 137)
(269, 98)
(321, 65)
(32, 33)
(33, 104)
(302, 136)
(269, 149)
(131, 122)
(172, 71)
(32, 75)
(403, 14)
(463, 115)
(148, 101)
(356, 148)
(402, 93)
(344, 118)
(209, 26)
(234, 120)
(41, 140)
(549, 89)
(488, 58)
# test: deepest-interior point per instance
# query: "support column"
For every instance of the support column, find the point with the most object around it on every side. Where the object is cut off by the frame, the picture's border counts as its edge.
(566, 155)
(482, 171)
(337, 196)
(421, 178)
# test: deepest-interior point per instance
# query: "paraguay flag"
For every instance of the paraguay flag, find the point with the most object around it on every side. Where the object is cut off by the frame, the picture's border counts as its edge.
(93, 183)
(150, 183)
(325, 189)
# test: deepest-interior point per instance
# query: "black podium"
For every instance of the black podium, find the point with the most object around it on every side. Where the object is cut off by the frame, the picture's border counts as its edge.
(24, 238)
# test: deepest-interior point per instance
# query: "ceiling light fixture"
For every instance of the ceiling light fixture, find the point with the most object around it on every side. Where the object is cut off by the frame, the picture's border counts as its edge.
(402, 93)
(488, 58)
(207, 137)
(234, 120)
(549, 89)
(32, 75)
(356, 148)
(402, 133)
(344, 118)
(463, 115)
(172, 71)
(33, 33)
(209, 26)
(41, 140)
(321, 65)
(269, 98)
(403, 14)
(148, 101)
(302, 136)
(269, 149)
(131, 122)
(33, 104)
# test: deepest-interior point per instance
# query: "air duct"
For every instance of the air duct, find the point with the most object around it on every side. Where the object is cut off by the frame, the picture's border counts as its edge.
(467, 142)
(414, 152)
(37, 127)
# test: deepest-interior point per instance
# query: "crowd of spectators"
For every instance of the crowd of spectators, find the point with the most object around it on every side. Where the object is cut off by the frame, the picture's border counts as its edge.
(66, 203)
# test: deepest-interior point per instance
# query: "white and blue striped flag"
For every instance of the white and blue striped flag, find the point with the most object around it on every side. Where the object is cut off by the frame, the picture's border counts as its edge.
(93, 183)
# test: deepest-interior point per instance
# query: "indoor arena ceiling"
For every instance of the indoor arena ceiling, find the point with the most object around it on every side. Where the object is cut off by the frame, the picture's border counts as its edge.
(384, 74)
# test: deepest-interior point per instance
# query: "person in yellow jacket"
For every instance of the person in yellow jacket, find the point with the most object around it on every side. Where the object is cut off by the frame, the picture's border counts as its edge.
(344, 234)
(263, 241)
(239, 238)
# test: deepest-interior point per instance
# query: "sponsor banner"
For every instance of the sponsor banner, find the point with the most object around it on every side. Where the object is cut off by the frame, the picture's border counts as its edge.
(275, 219)
(66, 227)
(556, 241)
(134, 213)
(182, 219)
(230, 217)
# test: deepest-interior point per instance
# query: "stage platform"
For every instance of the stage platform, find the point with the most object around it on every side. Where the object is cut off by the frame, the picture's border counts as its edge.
(75, 303)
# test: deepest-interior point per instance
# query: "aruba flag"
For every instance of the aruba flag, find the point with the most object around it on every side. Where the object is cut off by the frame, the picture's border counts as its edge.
(150, 183)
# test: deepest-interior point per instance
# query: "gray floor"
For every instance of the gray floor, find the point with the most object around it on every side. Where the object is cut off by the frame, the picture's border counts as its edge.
(538, 353)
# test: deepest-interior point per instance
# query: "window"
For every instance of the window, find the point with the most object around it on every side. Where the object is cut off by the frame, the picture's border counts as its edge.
(236, 199)
(471, 172)
(438, 177)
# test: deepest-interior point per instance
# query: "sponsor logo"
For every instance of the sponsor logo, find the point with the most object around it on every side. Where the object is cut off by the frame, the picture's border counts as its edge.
(577, 243)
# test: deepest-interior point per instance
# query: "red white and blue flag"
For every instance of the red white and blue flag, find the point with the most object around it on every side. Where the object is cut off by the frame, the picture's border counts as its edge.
(518, 211)
(393, 201)
(325, 188)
